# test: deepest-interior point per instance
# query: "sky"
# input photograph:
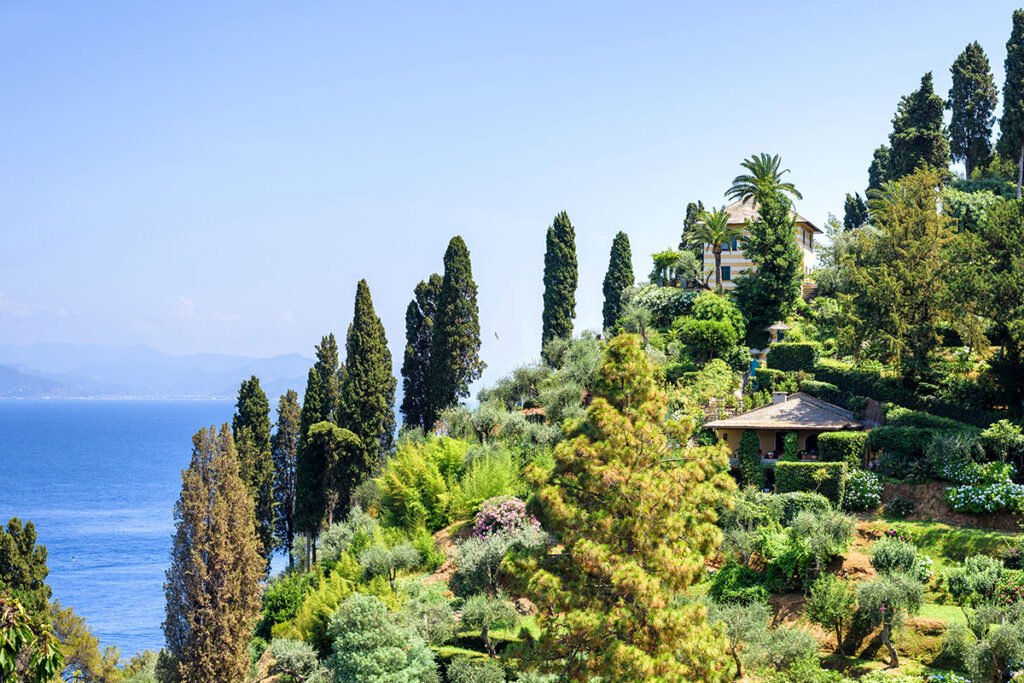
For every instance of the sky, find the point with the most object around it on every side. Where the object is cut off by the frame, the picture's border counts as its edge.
(217, 176)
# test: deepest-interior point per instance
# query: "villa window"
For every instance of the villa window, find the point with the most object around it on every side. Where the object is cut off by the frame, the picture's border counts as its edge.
(726, 273)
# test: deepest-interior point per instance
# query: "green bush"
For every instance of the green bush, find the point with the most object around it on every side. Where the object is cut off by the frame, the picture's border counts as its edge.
(282, 599)
(415, 483)
(790, 447)
(736, 584)
(466, 670)
(786, 506)
(297, 660)
(892, 556)
(793, 356)
(848, 447)
(750, 460)
(492, 471)
(898, 416)
(826, 478)
(863, 491)
(664, 303)
(904, 448)
(823, 390)
(478, 560)
(900, 508)
(707, 338)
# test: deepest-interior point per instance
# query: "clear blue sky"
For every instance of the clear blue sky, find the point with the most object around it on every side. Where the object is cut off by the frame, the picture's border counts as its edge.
(217, 176)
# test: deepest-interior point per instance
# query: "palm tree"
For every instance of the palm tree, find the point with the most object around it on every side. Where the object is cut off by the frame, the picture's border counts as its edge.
(765, 176)
(712, 229)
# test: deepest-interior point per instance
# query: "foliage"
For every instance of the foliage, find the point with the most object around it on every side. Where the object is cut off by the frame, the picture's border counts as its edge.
(918, 138)
(1011, 124)
(250, 427)
(878, 172)
(492, 471)
(416, 482)
(903, 447)
(832, 604)
(1004, 441)
(735, 583)
(297, 660)
(215, 561)
(793, 356)
(311, 621)
(21, 638)
(886, 602)
(284, 454)
(790, 448)
(309, 468)
(848, 447)
(788, 505)
(369, 648)
(636, 521)
(893, 556)
(618, 277)
(367, 406)
(417, 409)
(751, 463)
(23, 569)
(478, 559)
(855, 211)
(711, 231)
(387, 561)
(763, 178)
(976, 581)
(560, 280)
(674, 268)
(282, 599)
(992, 648)
(335, 453)
(353, 535)
(826, 478)
(427, 609)
(466, 670)
(986, 498)
(755, 646)
(502, 513)
(863, 491)
(484, 612)
(455, 355)
(664, 304)
(707, 338)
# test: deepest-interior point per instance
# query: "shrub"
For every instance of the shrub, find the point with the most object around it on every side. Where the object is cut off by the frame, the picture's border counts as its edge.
(986, 498)
(414, 492)
(311, 621)
(1003, 440)
(751, 464)
(793, 356)
(367, 646)
(664, 303)
(297, 661)
(1010, 588)
(484, 613)
(823, 390)
(477, 560)
(504, 513)
(466, 670)
(832, 604)
(712, 306)
(770, 379)
(786, 506)
(281, 601)
(385, 561)
(353, 535)
(427, 610)
(708, 338)
(492, 472)
(976, 581)
(736, 584)
(848, 447)
(826, 478)
(903, 447)
(898, 416)
(863, 491)
(790, 448)
(891, 556)
(951, 456)
(900, 507)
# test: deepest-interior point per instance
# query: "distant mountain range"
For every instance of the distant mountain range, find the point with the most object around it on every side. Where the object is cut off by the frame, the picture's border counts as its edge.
(90, 371)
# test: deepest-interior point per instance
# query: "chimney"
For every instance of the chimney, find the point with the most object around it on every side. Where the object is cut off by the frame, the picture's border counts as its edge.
(779, 396)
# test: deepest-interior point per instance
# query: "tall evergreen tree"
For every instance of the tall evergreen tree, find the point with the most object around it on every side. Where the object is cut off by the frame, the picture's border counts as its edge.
(329, 369)
(855, 211)
(285, 448)
(560, 279)
(23, 569)
(618, 277)
(972, 100)
(213, 583)
(368, 388)
(419, 339)
(250, 427)
(341, 455)
(878, 172)
(1011, 125)
(694, 210)
(455, 358)
(918, 137)
(309, 468)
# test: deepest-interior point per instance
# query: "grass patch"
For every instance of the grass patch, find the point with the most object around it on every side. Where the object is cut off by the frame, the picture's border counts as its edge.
(950, 614)
(945, 543)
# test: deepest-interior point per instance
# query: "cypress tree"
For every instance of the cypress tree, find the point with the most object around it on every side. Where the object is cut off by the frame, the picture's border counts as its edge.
(560, 279)
(878, 172)
(972, 100)
(918, 137)
(368, 388)
(213, 583)
(330, 377)
(855, 211)
(1011, 125)
(250, 427)
(694, 210)
(341, 453)
(455, 357)
(284, 448)
(419, 338)
(309, 468)
(618, 277)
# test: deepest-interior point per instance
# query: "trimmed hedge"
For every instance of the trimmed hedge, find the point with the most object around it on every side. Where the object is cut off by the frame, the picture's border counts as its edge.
(793, 356)
(848, 447)
(891, 390)
(898, 416)
(904, 447)
(823, 390)
(750, 460)
(800, 476)
(786, 506)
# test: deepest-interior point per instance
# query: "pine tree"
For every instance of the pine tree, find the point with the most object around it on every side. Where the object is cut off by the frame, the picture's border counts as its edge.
(213, 583)
(878, 172)
(918, 137)
(23, 569)
(972, 100)
(340, 453)
(250, 427)
(328, 367)
(632, 504)
(455, 357)
(855, 211)
(285, 447)
(694, 210)
(1011, 125)
(368, 387)
(618, 277)
(309, 469)
(419, 339)
(560, 279)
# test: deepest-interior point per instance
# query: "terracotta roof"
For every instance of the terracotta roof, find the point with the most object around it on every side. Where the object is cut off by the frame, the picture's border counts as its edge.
(798, 411)
(740, 212)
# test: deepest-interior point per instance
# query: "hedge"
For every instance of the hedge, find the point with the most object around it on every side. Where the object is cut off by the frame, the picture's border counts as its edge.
(898, 416)
(848, 447)
(786, 506)
(903, 446)
(751, 464)
(874, 385)
(800, 476)
(823, 390)
(793, 356)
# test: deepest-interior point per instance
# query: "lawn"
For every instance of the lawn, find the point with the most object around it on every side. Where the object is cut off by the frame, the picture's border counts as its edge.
(945, 543)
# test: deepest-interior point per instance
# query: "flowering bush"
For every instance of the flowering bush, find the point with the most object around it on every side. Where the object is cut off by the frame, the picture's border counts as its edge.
(901, 533)
(1010, 589)
(986, 498)
(946, 678)
(503, 513)
(863, 491)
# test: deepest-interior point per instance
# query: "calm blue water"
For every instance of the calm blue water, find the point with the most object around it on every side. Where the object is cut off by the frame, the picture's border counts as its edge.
(99, 479)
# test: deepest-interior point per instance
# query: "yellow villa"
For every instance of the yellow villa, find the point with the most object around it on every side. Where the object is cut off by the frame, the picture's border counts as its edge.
(735, 262)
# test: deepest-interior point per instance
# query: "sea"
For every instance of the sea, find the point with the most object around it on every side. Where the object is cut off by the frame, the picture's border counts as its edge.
(99, 479)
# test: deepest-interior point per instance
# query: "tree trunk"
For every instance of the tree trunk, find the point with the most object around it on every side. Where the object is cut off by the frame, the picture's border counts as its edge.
(485, 635)
(1020, 169)
(739, 664)
(894, 658)
(718, 267)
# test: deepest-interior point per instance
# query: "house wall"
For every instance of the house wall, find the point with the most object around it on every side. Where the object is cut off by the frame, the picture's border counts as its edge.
(738, 262)
(766, 436)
